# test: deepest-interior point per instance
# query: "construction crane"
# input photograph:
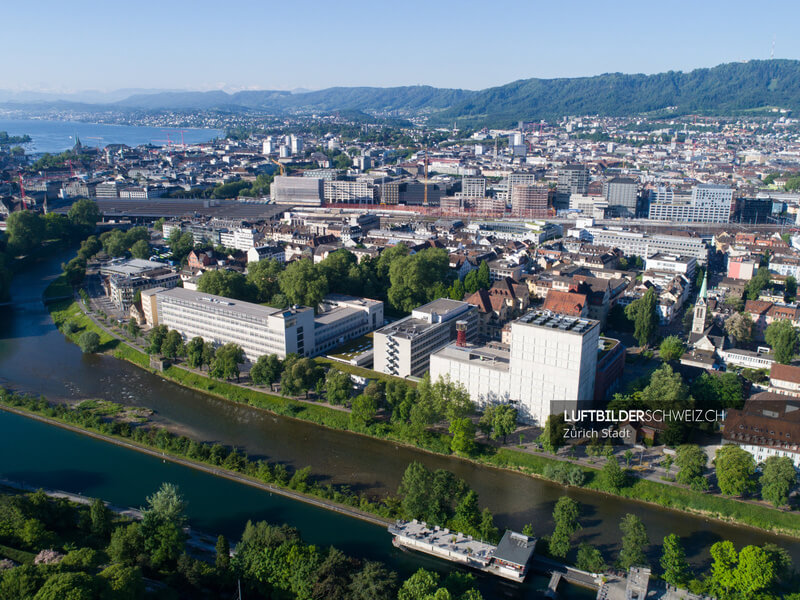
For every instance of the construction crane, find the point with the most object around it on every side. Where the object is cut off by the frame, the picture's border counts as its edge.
(278, 163)
(425, 196)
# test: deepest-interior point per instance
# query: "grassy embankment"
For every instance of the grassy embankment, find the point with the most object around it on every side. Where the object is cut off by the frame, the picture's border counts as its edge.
(661, 494)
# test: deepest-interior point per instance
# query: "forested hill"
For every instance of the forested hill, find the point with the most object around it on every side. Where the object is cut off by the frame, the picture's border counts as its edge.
(725, 89)
(750, 87)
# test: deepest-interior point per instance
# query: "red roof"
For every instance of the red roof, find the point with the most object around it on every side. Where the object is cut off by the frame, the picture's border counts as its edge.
(565, 303)
(785, 373)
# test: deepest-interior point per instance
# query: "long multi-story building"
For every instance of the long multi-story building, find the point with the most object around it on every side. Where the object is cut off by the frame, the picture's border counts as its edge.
(123, 278)
(261, 329)
(645, 244)
(572, 179)
(549, 366)
(708, 204)
(404, 347)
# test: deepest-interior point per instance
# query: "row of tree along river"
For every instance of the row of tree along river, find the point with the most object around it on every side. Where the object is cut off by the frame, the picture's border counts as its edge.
(34, 357)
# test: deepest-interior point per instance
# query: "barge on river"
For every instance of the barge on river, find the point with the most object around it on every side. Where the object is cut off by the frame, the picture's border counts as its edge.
(509, 559)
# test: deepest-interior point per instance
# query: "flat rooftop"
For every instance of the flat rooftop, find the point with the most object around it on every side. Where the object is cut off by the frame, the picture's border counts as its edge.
(407, 328)
(549, 320)
(487, 356)
(220, 303)
(443, 538)
(335, 314)
(441, 307)
(132, 266)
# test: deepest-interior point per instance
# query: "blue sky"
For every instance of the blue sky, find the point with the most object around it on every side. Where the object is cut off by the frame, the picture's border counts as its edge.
(240, 44)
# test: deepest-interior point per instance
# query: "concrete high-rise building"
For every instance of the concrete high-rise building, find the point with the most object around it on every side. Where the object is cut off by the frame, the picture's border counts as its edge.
(268, 146)
(403, 348)
(552, 358)
(473, 187)
(572, 179)
(296, 144)
(529, 200)
(622, 194)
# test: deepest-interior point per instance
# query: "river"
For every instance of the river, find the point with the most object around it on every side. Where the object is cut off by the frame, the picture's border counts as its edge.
(57, 136)
(35, 357)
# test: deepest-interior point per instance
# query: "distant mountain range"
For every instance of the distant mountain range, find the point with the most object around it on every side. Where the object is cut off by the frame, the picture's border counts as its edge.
(752, 86)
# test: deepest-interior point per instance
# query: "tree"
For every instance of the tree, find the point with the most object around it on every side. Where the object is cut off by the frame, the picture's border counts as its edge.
(735, 468)
(124, 582)
(172, 346)
(100, 518)
(673, 562)
(736, 303)
(162, 525)
(634, 542)
(740, 575)
(25, 230)
(422, 585)
(782, 336)
(456, 291)
(133, 329)
(363, 410)
(413, 278)
(75, 271)
(612, 476)
(552, 436)
(230, 284)
(156, 338)
(299, 376)
(717, 391)
(486, 527)
(303, 283)
(266, 370)
(498, 420)
(336, 269)
(262, 276)
(483, 279)
(89, 342)
(67, 586)
(565, 517)
(463, 432)
(471, 282)
(671, 348)
(126, 545)
(140, 249)
(758, 282)
(227, 359)
(740, 326)
(209, 352)
(373, 582)
(790, 288)
(691, 461)
(338, 386)
(590, 559)
(644, 314)
(778, 478)
(223, 554)
(468, 514)
(84, 215)
(194, 352)
(414, 490)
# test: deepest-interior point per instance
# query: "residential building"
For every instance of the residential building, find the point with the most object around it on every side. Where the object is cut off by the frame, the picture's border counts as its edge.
(122, 279)
(572, 179)
(258, 253)
(768, 425)
(549, 367)
(742, 267)
(473, 187)
(404, 347)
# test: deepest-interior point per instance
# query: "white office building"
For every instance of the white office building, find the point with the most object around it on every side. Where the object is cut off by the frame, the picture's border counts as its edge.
(473, 187)
(551, 358)
(264, 330)
(404, 347)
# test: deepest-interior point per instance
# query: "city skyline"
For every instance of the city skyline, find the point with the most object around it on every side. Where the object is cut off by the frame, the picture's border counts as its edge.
(251, 46)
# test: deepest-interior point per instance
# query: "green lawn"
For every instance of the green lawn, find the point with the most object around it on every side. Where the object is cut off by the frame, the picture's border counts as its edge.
(58, 288)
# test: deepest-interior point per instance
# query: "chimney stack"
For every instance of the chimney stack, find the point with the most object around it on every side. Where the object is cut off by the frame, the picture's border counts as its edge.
(461, 333)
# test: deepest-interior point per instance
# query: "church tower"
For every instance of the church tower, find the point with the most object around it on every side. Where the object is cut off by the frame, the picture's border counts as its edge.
(700, 308)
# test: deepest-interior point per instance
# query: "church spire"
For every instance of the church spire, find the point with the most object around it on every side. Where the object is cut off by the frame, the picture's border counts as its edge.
(704, 288)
